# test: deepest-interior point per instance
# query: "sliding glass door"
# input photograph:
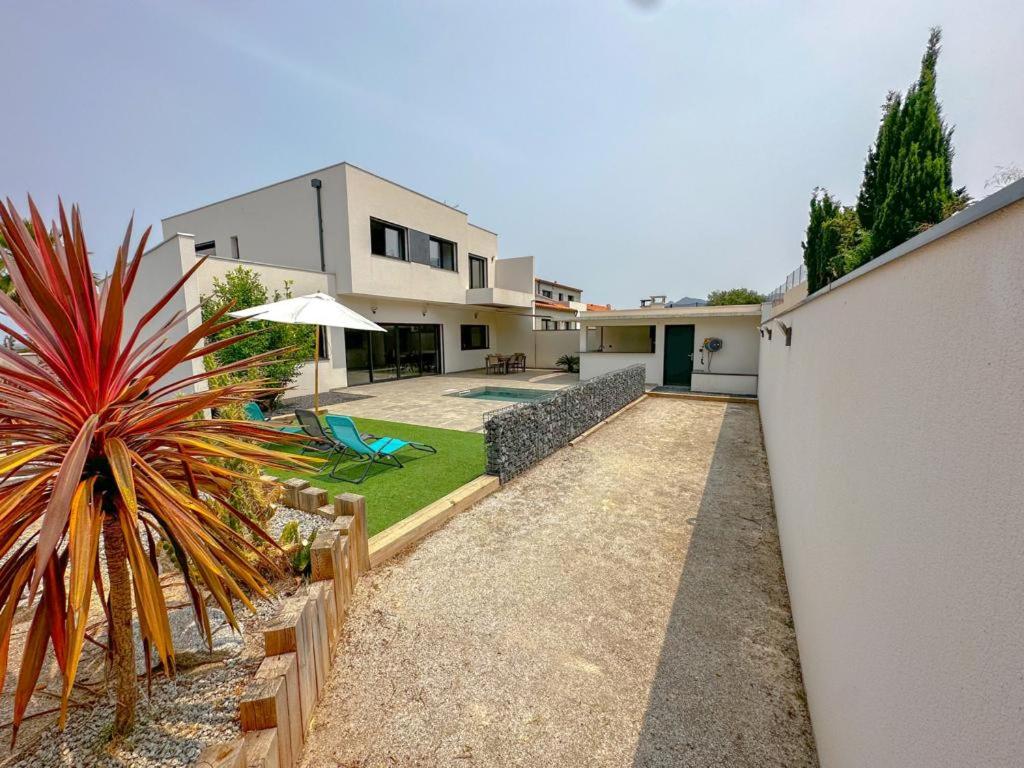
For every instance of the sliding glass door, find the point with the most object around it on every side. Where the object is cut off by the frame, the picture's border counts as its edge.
(405, 351)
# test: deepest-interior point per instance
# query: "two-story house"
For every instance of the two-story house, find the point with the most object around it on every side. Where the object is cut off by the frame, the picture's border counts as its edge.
(412, 264)
(556, 306)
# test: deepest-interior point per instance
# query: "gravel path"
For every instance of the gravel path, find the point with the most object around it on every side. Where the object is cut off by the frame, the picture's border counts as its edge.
(621, 604)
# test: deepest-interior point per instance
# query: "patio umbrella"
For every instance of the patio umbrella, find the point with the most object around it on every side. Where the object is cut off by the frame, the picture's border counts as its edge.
(315, 309)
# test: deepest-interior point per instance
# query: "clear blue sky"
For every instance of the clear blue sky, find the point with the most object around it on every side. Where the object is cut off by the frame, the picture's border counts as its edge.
(632, 147)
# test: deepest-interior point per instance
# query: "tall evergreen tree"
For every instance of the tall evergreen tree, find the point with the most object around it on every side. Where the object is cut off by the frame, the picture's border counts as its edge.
(819, 246)
(879, 162)
(908, 177)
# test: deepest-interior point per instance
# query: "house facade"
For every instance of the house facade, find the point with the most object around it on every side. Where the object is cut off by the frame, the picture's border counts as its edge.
(556, 306)
(703, 349)
(412, 264)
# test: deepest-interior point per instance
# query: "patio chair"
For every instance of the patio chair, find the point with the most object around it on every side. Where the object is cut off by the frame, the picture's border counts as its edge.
(494, 364)
(255, 413)
(381, 451)
(517, 362)
(319, 440)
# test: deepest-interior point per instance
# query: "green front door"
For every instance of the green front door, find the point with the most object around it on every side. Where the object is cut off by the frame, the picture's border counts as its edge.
(678, 355)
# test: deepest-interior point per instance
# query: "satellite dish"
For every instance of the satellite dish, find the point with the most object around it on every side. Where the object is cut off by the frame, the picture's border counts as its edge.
(713, 344)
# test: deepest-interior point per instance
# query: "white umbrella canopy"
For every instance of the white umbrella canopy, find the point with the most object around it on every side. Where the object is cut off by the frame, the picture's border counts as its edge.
(313, 309)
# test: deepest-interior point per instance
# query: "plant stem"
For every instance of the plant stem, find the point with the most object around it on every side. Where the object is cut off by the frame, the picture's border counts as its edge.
(122, 642)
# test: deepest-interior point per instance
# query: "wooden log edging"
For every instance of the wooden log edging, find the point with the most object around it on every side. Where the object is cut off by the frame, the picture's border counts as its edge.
(277, 706)
(405, 533)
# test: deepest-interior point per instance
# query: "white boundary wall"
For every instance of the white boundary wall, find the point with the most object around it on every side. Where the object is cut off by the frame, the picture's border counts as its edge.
(894, 426)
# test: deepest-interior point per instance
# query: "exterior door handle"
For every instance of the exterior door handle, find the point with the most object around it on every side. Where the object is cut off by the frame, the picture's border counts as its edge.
(691, 356)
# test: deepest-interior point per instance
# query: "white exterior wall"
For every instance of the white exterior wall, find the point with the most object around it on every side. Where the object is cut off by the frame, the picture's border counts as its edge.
(502, 326)
(370, 196)
(161, 268)
(739, 354)
(303, 282)
(276, 224)
(894, 427)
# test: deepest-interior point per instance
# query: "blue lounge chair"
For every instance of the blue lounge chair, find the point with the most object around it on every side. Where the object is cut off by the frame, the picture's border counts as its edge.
(255, 413)
(380, 451)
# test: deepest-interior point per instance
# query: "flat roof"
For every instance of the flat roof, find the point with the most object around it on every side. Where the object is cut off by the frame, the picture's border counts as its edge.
(321, 170)
(665, 313)
(558, 285)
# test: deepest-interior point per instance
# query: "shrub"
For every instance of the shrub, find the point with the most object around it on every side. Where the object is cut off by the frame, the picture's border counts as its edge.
(570, 363)
(94, 444)
(735, 296)
(242, 288)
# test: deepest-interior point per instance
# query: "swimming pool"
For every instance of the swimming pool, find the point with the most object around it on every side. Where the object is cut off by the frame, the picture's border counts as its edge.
(506, 394)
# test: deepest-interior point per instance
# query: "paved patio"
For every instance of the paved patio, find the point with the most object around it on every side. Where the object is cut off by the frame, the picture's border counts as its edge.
(426, 400)
(622, 603)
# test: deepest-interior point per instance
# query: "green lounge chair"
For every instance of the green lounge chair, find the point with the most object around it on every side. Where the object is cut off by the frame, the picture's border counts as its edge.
(380, 451)
(255, 413)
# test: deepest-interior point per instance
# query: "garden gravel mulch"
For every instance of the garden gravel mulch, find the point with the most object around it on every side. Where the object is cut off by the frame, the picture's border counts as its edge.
(622, 603)
(179, 717)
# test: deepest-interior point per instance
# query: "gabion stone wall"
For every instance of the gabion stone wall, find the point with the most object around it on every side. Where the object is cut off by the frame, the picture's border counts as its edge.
(521, 435)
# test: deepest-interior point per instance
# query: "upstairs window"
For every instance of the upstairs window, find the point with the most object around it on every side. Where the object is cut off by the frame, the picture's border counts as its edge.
(475, 337)
(546, 294)
(442, 254)
(209, 248)
(477, 272)
(387, 239)
(570, 297)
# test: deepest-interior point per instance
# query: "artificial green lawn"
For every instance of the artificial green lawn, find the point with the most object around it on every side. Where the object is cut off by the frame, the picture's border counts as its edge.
(393, 494)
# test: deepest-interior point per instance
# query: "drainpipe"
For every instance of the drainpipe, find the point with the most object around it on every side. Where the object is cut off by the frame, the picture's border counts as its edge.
(316, 184)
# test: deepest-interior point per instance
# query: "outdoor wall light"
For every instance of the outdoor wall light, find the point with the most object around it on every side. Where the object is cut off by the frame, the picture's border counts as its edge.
(788, 330)
(769, 330)
(762, 332)
(373, 309)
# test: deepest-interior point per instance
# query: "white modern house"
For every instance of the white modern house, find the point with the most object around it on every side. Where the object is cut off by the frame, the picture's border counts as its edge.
(703, 349)
(412, 264)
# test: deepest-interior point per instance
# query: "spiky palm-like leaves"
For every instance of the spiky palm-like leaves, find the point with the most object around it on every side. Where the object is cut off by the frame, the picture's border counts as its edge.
(94, 444)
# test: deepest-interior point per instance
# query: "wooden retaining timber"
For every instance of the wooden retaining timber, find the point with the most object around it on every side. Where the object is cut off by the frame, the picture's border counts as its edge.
(277, 706)
(412, 529)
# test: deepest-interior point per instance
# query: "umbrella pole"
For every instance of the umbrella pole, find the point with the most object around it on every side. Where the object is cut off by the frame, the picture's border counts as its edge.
(316, 369)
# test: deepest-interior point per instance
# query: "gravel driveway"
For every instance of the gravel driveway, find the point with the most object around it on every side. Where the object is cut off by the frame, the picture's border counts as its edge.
(621, 604)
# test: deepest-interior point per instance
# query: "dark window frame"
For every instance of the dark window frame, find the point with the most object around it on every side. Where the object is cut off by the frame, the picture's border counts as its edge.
(483, 262)
(466, 336)
(403, 241)
(440, 251)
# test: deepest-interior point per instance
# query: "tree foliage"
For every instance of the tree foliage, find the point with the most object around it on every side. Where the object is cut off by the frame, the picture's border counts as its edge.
(94, 444)
(907, 184)
(908, 177)
(242, 288)
(735, 296)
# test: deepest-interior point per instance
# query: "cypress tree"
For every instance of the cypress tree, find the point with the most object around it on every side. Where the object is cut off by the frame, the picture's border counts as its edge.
(879, 161)
(820, 243)
(908, 177)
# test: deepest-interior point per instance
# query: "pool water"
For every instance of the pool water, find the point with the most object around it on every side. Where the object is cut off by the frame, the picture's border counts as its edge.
(506, 394)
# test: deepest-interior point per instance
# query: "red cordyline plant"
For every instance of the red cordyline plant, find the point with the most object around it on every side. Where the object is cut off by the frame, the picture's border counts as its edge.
(94, 444)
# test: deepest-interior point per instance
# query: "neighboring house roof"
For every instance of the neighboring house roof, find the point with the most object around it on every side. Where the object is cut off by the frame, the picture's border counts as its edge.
(546, 303)
(664, 313)
(557, 285)
(687, 301)
(599, 307)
